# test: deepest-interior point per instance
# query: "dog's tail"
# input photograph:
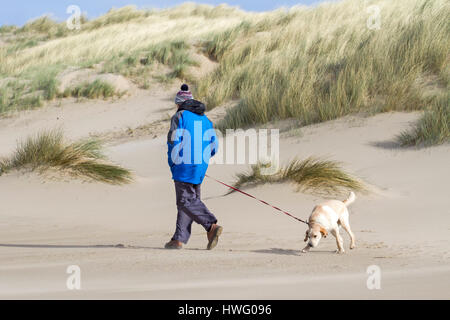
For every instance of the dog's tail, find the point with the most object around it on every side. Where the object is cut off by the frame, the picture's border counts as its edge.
(351, 198)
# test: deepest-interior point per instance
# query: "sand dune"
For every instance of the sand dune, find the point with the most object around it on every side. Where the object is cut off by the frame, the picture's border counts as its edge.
(116, 234)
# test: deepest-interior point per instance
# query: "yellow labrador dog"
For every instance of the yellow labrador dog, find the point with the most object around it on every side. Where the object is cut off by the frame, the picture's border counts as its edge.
(328, 217)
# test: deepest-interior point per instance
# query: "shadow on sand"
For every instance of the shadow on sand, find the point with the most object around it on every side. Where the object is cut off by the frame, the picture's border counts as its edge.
(80, 246)
(387, 145)
(290, 252)
(278, 251)
(63, 246)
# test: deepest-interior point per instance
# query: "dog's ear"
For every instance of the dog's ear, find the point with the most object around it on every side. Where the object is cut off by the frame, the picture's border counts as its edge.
(323, 232)
(306, 236)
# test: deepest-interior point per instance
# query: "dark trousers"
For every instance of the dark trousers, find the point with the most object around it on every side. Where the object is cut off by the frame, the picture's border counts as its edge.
(190, 209)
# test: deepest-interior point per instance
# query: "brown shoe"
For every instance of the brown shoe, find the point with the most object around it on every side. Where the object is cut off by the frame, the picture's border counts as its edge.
(173, 244)
(213, 236)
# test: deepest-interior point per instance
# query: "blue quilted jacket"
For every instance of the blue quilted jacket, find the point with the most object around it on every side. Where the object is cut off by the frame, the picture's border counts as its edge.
(191, 143)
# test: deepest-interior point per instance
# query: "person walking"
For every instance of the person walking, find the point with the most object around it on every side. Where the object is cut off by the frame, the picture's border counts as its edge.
(191, 143)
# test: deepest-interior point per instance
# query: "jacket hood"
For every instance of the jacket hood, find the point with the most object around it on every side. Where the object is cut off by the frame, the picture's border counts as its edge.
(194, 106)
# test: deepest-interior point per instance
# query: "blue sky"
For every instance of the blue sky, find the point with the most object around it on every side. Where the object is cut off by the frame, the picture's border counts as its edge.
(20, 11)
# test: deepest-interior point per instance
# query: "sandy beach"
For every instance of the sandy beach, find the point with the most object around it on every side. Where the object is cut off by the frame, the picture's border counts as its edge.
(116, 234)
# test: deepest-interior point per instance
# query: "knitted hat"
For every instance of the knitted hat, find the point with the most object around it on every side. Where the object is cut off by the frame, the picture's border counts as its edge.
(183, 95)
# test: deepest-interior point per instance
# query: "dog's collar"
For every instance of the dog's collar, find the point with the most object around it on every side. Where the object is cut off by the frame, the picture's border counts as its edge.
(311, 222)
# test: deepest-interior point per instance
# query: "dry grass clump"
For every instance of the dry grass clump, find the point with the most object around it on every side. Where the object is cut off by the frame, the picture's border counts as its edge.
(432, 129)
(312, 175)
(48, 150)
(140, 64)
(18, 95)
(92, 90)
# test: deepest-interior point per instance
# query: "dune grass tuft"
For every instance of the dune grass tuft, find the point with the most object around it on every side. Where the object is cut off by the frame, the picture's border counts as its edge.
(118, 16)
(45, 27)
(17, 96)
(48, 150)
(14, 96)
(138, 65)
(312, 175)
(47, 83)
(92, 90)
(432, 129)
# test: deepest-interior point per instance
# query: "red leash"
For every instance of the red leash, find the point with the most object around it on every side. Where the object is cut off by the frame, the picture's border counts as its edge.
(266, 203)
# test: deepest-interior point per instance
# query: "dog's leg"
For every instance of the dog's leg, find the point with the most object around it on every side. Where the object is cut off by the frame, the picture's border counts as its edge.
(339, 241)
(346, 225)
(306, 249)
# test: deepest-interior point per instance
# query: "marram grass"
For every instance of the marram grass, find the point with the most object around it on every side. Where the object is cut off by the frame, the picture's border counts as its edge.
(432, 128)
(92, 90)
(309, 63)
(311, 175)
(322, 63)
(48, 150)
